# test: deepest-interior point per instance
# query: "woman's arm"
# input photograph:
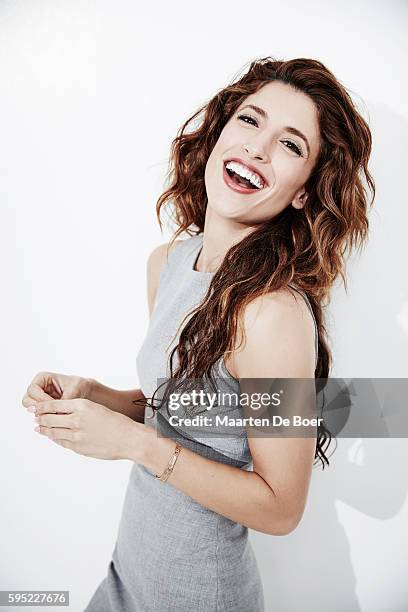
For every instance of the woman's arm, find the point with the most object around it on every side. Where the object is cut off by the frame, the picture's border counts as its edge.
(119, 401)
(271, 499)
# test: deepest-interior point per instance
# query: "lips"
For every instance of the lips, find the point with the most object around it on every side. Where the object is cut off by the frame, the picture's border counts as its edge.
(235, 186)
(250, 167)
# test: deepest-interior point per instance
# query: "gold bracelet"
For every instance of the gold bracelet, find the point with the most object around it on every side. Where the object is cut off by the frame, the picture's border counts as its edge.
(163, 477)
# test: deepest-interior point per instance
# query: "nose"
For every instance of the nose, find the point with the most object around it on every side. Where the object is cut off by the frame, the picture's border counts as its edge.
(254, 152)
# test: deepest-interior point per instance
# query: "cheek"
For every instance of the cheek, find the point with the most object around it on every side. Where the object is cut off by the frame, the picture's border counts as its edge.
(214, 161)
(210, 171)
(289, 172)
(214, 156)
(209, 167)
(226, 141)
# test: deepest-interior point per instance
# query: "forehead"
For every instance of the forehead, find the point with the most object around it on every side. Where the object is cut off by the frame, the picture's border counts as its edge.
(287, 106)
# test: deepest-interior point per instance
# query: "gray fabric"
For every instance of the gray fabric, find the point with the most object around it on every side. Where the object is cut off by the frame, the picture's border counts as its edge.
(172, 553)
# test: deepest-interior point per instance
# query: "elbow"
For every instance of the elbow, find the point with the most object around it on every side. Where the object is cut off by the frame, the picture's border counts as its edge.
(285, 524)
(282, 513)
(285, 528)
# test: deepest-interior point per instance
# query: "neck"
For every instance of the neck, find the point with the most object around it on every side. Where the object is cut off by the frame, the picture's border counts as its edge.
(220, 234)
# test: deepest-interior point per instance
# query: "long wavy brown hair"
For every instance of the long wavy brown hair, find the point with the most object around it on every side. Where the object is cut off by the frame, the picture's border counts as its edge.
(307, 247)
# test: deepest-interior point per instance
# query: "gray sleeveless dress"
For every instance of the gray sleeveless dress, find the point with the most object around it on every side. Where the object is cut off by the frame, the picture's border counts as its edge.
(172, 554)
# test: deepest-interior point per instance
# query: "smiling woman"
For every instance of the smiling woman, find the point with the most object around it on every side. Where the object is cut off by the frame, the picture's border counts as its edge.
(271, 189)
(267, 154)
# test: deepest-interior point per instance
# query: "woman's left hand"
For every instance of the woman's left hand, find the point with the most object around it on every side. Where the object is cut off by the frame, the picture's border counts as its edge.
(91, 429)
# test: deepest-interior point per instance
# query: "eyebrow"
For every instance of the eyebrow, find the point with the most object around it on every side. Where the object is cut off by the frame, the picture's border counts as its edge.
(287, 128)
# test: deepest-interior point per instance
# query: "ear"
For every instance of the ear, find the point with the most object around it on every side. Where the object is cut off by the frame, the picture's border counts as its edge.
(300, 199)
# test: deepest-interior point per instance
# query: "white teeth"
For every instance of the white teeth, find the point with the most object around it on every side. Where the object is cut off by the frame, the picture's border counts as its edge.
(245, 173)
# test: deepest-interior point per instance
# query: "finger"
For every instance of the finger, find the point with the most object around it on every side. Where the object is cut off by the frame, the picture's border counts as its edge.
(53, 388)
(64, 443)
(29, 400)
(43, 387)
(57, 420)
(39, 388)
(48, 382)
(57, 433)
(56, 407)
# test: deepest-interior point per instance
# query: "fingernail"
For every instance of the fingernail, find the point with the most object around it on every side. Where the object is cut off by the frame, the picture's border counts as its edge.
(31, 408)
(36, 419)
(37, 429)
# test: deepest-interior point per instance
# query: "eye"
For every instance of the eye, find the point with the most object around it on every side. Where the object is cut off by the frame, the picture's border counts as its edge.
(294, 147)
(245, 117)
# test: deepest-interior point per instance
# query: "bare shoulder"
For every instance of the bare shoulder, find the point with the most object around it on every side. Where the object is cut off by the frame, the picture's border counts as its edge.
(155, 263)
(281, 305)
(158, 256)
(279, 337)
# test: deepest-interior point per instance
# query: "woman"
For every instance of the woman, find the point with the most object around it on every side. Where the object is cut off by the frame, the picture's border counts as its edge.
(269, 179)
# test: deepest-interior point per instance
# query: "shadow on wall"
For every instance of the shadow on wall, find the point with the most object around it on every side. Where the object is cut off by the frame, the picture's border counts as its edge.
(311, 570)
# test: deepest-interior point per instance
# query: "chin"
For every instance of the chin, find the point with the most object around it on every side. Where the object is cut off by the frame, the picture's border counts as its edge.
(228, 210)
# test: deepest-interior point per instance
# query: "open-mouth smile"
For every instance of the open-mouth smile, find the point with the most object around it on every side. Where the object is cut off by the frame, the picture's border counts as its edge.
(242, 178)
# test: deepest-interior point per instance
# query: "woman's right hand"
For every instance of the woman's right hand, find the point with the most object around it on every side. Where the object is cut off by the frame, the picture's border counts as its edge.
(50, 385)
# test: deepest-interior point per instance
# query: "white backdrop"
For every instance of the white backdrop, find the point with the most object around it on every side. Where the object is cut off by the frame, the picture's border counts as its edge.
(91, 95)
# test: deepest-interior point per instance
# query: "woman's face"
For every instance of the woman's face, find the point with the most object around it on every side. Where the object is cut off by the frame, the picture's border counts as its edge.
(279, 140)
